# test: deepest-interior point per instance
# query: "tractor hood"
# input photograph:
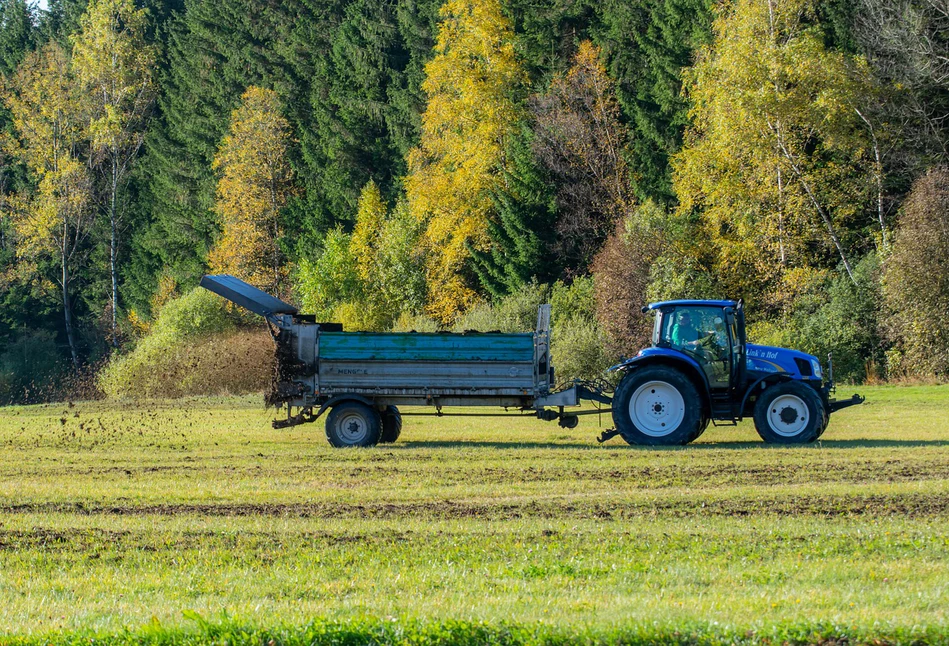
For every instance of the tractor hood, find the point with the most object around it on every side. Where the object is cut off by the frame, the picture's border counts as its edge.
(763, 358)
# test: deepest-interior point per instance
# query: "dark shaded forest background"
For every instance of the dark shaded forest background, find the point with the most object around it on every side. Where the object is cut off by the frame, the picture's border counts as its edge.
(426, 165)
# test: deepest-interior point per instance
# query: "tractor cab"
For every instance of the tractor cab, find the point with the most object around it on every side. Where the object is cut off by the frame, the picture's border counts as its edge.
(710, 333)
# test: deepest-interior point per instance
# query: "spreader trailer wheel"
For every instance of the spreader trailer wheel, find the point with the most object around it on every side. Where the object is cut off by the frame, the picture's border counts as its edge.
(352, 423)
(391, 425)
(789, 413)
(657, 405)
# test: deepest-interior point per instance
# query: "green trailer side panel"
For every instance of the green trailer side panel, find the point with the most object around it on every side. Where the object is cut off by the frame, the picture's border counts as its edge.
(394, 346)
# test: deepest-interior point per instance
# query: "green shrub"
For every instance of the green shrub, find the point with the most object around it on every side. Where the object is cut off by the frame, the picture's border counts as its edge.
(578, 350)
(198, 345)
(577, 344)
(832, 315)
(414, 323)
(368, 279)
(516, 312)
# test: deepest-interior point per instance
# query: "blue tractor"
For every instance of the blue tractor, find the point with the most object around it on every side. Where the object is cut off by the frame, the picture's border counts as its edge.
(700, 369)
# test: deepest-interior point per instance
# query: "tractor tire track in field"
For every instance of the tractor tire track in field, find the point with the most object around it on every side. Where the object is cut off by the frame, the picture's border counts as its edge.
(93, 540)
(914, 505)
(639, 477)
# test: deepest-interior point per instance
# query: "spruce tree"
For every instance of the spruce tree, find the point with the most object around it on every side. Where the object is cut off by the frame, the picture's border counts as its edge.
(17, 35)
(647, 44)
(522, 231)
(215, 50)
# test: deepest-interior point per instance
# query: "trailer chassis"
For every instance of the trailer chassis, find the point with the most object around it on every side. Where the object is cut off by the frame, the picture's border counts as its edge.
(548, 407)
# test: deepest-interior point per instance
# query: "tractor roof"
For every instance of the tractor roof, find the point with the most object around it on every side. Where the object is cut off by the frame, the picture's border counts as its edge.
(664, 304)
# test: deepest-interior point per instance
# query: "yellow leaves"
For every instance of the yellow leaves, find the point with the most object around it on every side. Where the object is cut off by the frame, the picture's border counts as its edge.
(775, 144)
(370, 219)
(45, 110)
(114, 66)
(472, 85)
(140, 327)
(255, 184)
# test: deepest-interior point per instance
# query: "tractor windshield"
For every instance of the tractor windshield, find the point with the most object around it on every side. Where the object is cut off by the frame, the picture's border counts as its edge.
(697, 330)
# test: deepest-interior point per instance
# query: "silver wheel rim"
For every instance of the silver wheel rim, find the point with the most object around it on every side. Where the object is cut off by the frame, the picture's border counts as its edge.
(788, 415)
(352, 427)
(657, 408)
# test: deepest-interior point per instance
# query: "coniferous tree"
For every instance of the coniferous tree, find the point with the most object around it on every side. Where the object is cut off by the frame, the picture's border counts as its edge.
(646, 45)
(522, 228)
(215, 50)
(17, 34)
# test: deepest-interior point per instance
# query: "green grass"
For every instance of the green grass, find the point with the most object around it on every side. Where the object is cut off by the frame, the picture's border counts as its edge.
(127, 517)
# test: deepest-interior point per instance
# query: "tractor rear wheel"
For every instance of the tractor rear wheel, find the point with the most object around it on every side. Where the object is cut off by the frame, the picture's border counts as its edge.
(352, 423)
(657, 405)
(391, 425)
(789, 413)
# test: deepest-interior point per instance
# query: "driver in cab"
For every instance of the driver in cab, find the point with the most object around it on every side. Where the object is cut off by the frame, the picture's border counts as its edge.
(684, 334)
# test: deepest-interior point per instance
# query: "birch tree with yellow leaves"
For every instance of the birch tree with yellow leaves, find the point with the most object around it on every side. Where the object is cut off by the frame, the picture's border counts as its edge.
(473, 84)
(114, 67)
(55, 220)
(254, 186)
(776, 164)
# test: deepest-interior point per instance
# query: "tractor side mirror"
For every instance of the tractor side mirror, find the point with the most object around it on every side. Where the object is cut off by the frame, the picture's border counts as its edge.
(730, 315)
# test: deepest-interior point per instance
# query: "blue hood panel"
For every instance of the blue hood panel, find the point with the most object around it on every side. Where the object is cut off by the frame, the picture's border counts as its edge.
(765, 358)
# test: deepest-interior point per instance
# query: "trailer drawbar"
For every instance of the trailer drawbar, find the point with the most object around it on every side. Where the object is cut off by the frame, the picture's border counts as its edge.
(698, 370)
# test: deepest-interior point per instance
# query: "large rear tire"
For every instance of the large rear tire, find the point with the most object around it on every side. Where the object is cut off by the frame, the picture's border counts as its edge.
(391, 425)
(352, 423)
(656, 406)
(789, 413)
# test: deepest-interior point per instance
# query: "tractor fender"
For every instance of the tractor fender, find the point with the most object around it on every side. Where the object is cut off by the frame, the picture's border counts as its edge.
(769, 379)
(662, 356)
(336, 399)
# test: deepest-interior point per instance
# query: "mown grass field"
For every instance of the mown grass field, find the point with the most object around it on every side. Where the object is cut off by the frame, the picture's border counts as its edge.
(148, 520)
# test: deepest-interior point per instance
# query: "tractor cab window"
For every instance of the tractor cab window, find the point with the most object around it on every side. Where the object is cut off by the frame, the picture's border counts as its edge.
(701, 333)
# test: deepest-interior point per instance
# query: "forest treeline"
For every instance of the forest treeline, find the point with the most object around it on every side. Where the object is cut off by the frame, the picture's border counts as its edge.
(433, 164)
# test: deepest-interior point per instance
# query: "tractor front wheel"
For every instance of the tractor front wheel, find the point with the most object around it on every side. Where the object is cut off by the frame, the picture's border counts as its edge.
(789, 413)
(352, 423)
(657, 405)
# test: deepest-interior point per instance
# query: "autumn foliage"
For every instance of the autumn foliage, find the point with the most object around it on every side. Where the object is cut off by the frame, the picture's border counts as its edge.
(255, 184)
(472, 84)
(581, 142)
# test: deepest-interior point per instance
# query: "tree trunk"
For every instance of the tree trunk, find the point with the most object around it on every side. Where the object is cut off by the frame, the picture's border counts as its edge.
(878, 177)
(67, 311)
(113, 254)
(784, 260)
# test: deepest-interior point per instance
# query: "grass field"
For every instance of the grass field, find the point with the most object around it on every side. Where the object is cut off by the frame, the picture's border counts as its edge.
(151, 520)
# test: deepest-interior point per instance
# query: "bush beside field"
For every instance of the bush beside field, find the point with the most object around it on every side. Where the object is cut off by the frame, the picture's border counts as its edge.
(199, 345)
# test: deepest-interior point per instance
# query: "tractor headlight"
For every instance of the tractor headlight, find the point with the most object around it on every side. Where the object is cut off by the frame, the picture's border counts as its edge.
(815, 364)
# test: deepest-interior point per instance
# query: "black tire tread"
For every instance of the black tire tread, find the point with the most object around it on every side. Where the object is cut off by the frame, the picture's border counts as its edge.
(391, 425)
(692, 424)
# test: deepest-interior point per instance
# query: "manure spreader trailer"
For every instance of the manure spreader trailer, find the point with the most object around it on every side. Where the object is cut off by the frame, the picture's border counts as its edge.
(699, 369)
